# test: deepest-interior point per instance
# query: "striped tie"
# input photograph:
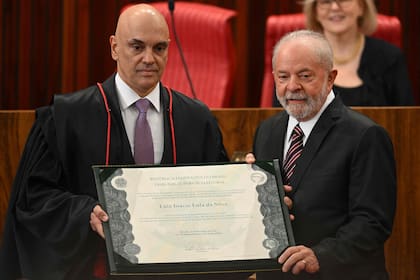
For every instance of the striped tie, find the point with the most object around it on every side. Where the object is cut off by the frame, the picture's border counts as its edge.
(294, 152)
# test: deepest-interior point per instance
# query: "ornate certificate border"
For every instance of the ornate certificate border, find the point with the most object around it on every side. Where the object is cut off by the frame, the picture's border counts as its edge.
(125, 253)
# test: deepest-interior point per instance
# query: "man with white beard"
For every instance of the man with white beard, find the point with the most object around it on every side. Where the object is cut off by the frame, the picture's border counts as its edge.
(339, 172)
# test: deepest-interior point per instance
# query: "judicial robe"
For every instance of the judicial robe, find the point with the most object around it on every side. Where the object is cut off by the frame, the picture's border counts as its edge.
(47, 232)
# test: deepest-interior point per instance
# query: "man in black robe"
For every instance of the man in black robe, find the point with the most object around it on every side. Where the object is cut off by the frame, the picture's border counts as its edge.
(54, 223)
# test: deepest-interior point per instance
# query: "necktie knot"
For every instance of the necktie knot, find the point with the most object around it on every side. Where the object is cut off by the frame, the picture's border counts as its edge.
(297, 132)
(143, 105)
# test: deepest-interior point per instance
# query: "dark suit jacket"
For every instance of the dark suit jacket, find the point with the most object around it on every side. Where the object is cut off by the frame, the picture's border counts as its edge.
(344, 191)
(47, 233)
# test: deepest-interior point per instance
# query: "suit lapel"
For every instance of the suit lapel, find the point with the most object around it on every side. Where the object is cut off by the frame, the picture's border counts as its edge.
(167, 156)
(321, 129)
(279, 131)
(270, 141)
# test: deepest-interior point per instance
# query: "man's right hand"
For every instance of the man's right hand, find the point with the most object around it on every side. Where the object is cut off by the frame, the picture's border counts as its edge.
(288, 200)
(98, 216)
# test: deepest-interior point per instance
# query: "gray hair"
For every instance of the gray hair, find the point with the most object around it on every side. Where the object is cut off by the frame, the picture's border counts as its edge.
(321, 47)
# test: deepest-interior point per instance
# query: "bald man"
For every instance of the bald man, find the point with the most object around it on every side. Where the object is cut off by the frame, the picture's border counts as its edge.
(54, 223)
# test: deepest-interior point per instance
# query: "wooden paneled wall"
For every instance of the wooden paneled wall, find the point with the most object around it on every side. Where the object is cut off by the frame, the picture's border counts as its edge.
(14, 128)
(238, 126)
(60, 46)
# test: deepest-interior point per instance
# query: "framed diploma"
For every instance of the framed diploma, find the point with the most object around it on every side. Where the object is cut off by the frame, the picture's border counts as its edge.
(227, 217)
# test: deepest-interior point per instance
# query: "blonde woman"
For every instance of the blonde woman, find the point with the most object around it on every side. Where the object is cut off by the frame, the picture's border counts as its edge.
(371, 72)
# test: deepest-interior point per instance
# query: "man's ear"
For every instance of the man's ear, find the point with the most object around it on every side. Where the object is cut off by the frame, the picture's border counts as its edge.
(331, 76)
(113, 46)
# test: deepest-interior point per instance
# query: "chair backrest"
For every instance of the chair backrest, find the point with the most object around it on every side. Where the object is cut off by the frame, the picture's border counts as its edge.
(388, 29)
(206, 38)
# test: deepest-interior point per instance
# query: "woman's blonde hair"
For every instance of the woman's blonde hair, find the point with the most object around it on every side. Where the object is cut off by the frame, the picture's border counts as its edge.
(367, 22)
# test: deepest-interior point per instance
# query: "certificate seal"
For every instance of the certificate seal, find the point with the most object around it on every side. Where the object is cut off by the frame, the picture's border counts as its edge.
(270, 243)
(258, 177)
(119, 182)
(132, 249)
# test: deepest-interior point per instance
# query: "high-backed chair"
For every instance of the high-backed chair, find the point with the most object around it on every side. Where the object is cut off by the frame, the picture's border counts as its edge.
(206, 37)
(388, 29)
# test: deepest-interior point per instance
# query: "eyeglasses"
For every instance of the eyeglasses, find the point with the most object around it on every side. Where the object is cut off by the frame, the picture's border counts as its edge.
(326, 4)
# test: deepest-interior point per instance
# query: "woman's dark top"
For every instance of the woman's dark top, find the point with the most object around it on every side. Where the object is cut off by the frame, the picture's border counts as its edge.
(352, 96)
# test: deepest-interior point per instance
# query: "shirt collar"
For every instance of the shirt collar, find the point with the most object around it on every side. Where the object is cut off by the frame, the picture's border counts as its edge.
(307, 126)
(127, 96)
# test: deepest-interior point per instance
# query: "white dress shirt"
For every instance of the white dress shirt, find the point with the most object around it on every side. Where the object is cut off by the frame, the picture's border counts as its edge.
(127, 99)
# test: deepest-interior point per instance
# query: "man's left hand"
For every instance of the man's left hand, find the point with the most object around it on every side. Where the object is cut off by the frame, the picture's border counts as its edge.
(298, 259)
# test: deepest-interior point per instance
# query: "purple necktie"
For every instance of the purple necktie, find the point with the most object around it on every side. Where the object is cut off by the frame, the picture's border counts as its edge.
(294, 152)
(143, 142)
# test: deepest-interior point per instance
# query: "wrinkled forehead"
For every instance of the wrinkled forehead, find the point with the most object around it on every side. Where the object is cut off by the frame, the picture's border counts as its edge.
(294, 53)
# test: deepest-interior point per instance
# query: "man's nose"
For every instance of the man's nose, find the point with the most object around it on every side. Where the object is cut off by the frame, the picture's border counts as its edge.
(294, 84)
(148, 57)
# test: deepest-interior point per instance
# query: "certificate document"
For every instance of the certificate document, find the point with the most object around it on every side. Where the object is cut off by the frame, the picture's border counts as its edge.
(192, 214)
